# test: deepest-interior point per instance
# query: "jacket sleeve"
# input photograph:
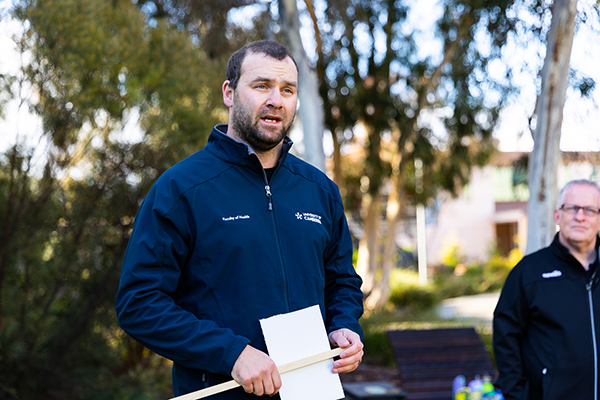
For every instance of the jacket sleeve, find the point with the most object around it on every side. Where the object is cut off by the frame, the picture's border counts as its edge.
(158, 249)
(343, 297)
(509, 326)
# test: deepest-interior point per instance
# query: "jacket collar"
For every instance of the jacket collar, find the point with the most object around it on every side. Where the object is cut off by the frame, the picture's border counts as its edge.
(565, 255)
(230, 150)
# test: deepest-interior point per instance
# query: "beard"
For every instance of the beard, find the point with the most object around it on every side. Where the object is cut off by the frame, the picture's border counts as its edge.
(246, 126)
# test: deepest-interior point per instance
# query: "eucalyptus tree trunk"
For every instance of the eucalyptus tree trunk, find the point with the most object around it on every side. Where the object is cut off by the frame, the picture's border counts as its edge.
(544, 160)
(311, 105)
(366, 264)
(380, 294)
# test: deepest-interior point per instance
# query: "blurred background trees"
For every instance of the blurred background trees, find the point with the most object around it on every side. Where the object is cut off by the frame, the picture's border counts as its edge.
(426, 118)
(94, 68)
(125, 89)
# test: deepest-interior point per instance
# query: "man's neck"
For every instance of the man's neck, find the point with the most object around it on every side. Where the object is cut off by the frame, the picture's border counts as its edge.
(584, 253)
(268, 158)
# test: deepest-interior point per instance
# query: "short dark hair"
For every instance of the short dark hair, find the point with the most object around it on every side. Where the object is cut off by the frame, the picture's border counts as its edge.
(267, 47)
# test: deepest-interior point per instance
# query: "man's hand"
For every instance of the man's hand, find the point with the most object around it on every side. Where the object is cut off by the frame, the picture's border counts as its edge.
(256, 372)
(353, 350)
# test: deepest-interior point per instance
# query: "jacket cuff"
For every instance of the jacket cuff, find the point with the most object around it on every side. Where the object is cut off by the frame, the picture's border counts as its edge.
(233, 353)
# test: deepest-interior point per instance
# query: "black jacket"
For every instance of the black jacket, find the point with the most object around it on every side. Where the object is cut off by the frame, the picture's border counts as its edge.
(546, 328)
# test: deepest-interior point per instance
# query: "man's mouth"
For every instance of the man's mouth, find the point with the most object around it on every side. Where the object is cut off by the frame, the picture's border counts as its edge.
(271, 119)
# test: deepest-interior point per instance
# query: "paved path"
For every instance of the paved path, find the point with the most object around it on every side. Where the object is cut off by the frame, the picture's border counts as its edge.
(479, 307)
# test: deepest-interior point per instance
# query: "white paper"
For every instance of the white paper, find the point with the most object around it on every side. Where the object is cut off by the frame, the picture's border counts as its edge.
(294, 336)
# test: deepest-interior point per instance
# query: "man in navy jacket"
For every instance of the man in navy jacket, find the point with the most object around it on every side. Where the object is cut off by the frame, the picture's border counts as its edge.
(547, 320)
(240, 231)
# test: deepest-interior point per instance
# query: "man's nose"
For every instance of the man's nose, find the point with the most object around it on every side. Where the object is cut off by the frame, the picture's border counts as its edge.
(580, 213)
(275, 100)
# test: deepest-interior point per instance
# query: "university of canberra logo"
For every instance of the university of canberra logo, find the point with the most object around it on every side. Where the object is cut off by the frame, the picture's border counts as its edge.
(309, 217)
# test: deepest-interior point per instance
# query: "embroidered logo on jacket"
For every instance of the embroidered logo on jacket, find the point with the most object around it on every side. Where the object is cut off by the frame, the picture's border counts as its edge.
(236, 217)
(309, 217)
(554, 274)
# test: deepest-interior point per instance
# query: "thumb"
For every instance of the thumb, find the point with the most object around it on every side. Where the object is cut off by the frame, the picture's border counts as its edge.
(339, 339)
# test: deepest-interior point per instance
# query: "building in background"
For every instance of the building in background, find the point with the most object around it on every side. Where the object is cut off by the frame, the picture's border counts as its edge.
(489, 215)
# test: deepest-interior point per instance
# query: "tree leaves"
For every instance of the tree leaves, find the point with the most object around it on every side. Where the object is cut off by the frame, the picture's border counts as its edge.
(95, 66)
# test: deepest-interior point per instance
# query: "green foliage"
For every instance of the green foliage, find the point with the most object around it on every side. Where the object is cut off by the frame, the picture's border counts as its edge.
(474, 278)
(94, 62)
(452, 255)
(208, 21)
(67, 216)
(395, 92)
(407, 292)
(450, 281)
(377, 348)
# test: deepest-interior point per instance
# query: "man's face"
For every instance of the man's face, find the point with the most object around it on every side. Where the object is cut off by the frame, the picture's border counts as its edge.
(263, 106)
(579, 229)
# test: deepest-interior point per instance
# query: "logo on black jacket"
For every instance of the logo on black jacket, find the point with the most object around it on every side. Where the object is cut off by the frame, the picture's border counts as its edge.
(554, 274)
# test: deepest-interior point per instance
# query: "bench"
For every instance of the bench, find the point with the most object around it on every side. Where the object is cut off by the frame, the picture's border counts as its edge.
(429, 360)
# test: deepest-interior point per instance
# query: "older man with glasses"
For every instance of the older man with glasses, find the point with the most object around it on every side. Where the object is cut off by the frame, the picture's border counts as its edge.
(547, 320)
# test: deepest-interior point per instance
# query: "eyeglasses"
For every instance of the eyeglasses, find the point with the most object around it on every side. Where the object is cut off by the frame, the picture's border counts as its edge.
(573, 209)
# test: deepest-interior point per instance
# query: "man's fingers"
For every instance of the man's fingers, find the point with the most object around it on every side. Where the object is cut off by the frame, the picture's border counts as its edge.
(256, 372)
(247, 385)
(353, 353)
(266, 382)
(276, 382)
(269, 384)
(348, 364)
(267, 388)
(346, 368)
(258, 389)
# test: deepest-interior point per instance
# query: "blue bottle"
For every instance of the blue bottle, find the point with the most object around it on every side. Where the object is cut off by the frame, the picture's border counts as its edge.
(459, 388)
(476, 389)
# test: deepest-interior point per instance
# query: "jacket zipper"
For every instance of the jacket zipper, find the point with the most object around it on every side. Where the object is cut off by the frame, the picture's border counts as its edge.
(277, 244)
(269, 198)
(274, 226)
(588, 286)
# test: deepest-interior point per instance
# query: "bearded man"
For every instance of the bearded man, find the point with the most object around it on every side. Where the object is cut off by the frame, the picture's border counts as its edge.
(237, 232)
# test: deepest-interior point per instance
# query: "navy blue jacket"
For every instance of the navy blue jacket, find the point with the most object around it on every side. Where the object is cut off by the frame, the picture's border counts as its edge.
(215, 248)
(546, 327)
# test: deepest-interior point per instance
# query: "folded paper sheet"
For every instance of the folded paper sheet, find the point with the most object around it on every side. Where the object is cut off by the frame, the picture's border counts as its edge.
(294, 336)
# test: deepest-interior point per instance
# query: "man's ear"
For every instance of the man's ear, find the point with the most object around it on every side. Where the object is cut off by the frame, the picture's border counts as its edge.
(227, 94)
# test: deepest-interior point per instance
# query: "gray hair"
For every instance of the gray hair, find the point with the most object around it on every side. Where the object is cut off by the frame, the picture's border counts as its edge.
(561, 195)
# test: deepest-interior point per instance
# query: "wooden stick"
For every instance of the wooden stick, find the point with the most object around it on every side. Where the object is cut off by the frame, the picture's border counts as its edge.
(294, 365)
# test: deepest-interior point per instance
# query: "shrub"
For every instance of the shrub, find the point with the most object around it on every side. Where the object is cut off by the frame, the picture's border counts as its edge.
(452, 254)
(475, 278)
(449, 285)
(407, 292)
